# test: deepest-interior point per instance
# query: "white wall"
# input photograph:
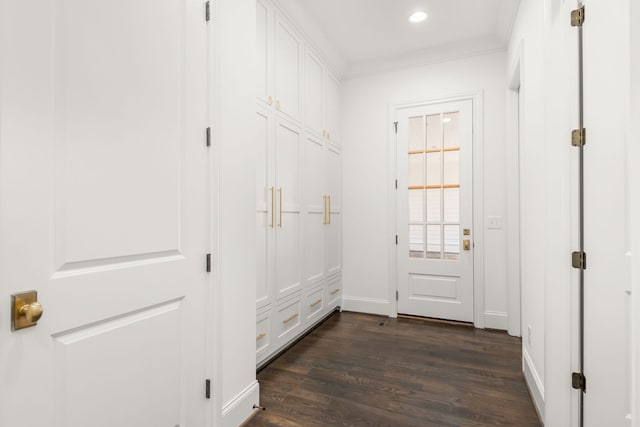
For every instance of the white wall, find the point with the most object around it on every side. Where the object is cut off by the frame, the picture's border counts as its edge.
(526, 46)
(367, 232)
(233, 261)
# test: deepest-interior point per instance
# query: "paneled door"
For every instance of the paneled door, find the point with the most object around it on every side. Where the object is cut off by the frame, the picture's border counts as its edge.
(434, 203)
(104, 212)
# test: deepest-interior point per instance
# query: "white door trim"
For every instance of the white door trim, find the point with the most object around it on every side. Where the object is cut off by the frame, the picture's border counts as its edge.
(514, 100)
(476, 98)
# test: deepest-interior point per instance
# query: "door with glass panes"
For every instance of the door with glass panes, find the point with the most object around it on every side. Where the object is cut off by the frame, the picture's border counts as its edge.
(434, 218)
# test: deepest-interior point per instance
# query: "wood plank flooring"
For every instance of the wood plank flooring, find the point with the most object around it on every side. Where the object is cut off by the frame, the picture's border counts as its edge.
(366, 370)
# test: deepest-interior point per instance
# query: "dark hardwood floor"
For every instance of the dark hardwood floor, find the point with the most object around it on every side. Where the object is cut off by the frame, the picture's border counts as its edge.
(365, 370)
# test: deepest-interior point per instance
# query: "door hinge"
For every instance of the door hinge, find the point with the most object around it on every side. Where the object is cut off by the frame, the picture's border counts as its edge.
(395, 126)
(579, 260)
(208, 136)
(207, 11)
(396, 295)
(577, 17)
(396, 184)
(579, 381)
(207, 388)
(396, 239)
(579, 137)
(208, 263)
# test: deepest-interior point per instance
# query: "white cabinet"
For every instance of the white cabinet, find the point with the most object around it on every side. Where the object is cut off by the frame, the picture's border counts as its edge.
(313, 92)
(298, 184)
(332, 108)
(279, 51)
(333, 227)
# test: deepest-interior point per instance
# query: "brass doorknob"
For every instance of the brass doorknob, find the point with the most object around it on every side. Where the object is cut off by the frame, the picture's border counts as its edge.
(466, 245)
(31, 312)
(25, 310)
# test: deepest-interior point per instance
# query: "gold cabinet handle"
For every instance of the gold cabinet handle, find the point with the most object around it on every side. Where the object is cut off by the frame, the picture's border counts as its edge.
(324, 209)
(328, 135)
(273, 207)
(278, 105)
(270, 100)
(259, 337)
(329, 211)
(335, 291)
(316, 303)
(280, 191)
(290, 318)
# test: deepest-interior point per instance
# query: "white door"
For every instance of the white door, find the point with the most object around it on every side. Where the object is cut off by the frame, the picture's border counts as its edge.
(104, 212)
(313, 210)
(434, 202)
(288, 63)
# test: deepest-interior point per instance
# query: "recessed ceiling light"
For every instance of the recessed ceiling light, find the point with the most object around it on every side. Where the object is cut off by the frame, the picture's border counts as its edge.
(417, 17)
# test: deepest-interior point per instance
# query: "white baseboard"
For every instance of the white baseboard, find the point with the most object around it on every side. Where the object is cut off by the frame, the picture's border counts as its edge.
(496, 320)
(365, 305)
(536, 388)
(240, 408)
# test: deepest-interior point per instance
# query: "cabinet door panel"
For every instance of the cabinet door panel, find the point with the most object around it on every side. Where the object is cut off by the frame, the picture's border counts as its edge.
(288, 145)
(263, 51)
(333, 178)
(332, 109)
(312, 200)
(313, 87)
(287, 69)
(264, 207)
(333, 238)
(287, 255)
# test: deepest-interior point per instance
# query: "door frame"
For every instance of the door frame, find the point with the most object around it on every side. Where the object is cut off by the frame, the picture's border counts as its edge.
(476, 98)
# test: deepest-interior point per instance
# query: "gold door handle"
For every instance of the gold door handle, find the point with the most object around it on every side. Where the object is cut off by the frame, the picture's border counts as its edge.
(259, 337)
(329, 210)
(335, 291)
(466, 245)
(270, 100)
(290, 318)
(25, 310)
(273, 207)
(280, 191)
(324, 209)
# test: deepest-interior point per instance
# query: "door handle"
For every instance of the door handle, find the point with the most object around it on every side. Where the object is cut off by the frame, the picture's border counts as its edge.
(324, 209)
(329, 210)
(466, 245)
(25, 310)
(273, 207)
(280, 191)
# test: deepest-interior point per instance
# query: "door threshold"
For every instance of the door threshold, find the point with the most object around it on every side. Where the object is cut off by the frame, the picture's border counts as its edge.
(436, 320)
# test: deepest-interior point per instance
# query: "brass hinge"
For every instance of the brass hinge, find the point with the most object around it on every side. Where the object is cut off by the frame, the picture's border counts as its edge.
(208, 136)
(207, 389)
(579, 381)
(579, 260)
(396, 295)
(208, 267)
(396, 239)
(207, 11)
(396, 184)
(395, 126)
(577, 17)
(579, 137)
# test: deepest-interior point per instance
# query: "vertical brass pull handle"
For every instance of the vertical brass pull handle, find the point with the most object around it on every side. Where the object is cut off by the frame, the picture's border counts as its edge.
(280, 223)
(273, 207)
(324, 209)
(329, 210)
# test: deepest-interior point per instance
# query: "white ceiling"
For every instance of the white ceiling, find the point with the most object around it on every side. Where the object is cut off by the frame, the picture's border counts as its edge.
(364, 32)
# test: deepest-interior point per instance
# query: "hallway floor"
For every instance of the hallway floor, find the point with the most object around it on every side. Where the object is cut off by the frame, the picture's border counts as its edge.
(366, 370)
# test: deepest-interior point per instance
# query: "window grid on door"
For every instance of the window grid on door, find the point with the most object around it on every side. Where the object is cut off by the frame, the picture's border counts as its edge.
(434, 186)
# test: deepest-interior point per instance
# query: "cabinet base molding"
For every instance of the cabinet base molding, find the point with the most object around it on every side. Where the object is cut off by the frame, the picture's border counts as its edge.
(297, 339)
(240, 408)
(366, 305)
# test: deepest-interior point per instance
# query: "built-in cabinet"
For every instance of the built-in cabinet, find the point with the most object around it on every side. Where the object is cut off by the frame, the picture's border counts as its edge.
(298, 186)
